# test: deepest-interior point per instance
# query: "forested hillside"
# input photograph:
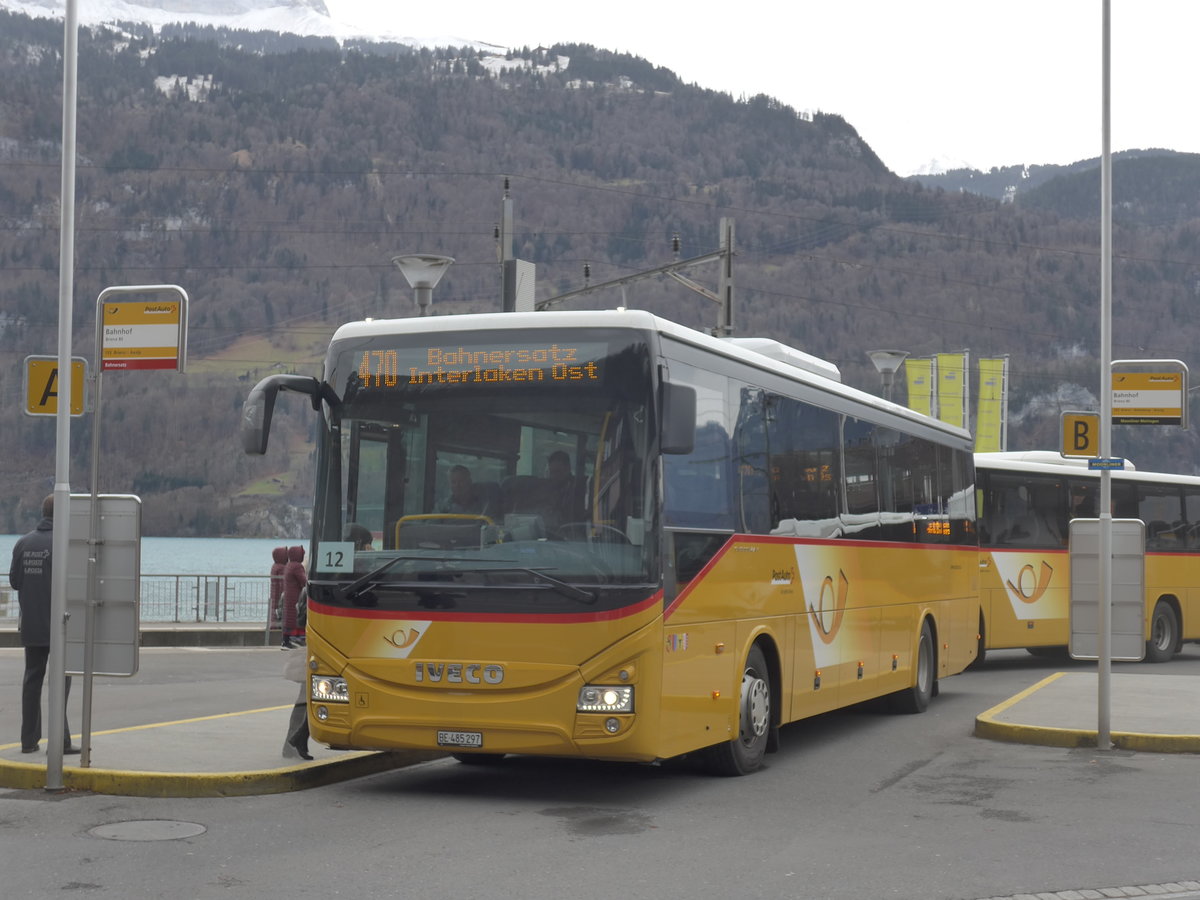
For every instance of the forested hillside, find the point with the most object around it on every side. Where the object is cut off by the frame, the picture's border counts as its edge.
(1157, 176)
(274, 181)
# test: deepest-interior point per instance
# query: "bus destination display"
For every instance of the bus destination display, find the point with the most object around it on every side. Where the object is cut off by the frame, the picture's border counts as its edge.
(476, 366)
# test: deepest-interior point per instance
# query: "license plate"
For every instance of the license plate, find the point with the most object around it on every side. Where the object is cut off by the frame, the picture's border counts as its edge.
(460, 739)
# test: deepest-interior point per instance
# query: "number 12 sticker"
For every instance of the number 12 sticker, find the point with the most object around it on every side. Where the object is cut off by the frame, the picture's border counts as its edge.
(335, 556)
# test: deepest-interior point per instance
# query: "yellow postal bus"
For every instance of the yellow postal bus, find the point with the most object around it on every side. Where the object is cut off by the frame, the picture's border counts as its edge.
(602, 534)
(1026, 503)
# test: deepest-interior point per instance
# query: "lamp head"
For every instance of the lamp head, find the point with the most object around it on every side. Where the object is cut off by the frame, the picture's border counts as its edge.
(887, 362)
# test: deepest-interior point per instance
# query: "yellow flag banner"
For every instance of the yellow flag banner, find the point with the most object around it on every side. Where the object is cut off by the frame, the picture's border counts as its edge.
(952, 388)
(991, 435)
(919, 374)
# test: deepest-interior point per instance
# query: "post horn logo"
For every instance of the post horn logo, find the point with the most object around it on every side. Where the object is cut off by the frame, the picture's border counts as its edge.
(827, 615)
(402, 638)
(1030, 585)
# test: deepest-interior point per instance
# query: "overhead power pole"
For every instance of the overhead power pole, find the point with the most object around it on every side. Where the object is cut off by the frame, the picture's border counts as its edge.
(517, 276)
(723, 296)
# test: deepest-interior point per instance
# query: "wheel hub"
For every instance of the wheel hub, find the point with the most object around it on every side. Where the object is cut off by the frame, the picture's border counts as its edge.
(756, 706)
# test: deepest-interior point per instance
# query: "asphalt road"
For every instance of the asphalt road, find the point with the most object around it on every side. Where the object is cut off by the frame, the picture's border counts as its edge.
(858, 804)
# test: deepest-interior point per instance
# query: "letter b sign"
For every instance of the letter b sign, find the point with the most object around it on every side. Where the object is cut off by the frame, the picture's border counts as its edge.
(1080, 434)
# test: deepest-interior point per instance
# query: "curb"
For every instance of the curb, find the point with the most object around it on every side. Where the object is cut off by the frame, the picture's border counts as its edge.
(988, 726)
(29, 776)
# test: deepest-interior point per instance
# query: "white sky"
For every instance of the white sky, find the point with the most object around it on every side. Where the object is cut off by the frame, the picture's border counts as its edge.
(977, 82)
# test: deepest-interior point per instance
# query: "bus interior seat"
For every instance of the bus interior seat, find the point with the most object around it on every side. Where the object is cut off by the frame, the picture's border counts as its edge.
(1193, 535)
(1158, 533)
(1034, 529)
(489, 494)
(522, 494)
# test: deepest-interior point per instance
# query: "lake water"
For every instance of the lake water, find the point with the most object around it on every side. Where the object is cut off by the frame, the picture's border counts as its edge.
(191, 556)
(228, 580)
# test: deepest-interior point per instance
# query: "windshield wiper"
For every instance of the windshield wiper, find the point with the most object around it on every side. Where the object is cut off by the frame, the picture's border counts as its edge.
(567, 590)
(360, 585)
(370, 580)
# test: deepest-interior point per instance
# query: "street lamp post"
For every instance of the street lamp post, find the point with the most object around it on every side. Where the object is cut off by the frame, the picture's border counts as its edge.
(887, 363)
(423, 271)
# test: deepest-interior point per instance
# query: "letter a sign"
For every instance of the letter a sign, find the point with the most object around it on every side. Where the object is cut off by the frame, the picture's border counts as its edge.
(1080, 434)
(42, 385)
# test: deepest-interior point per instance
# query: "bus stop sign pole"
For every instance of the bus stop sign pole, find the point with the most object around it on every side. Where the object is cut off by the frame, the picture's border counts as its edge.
(1104, 664)
(56, 666)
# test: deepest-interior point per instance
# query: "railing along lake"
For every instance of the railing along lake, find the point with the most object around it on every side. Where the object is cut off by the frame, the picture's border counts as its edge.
(185, 598)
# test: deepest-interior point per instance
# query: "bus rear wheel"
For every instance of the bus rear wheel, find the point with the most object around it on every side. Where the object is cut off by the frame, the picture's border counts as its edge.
(744, 754)
(916, 699)
(1164, 633)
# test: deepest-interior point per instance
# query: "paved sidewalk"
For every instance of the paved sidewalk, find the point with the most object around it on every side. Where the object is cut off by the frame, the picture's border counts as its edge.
(228, 755)
(1156, 713)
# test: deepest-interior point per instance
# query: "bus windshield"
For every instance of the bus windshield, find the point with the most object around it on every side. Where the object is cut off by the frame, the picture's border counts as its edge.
(489, 471)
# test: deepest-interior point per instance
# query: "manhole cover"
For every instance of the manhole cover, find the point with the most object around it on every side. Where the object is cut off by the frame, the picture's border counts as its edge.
(148, 830)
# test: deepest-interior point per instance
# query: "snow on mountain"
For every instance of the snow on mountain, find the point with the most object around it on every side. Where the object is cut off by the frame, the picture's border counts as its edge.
(310, 18)
(941, 165)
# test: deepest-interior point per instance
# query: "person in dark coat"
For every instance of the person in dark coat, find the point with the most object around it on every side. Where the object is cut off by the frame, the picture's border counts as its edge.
(294, 580)
(279, 560)
(561, 496)
(29, 576)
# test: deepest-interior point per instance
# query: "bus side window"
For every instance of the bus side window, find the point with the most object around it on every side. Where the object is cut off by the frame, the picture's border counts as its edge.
(1160, 507)
(803, 466)
(699, 485)
(1039, 527)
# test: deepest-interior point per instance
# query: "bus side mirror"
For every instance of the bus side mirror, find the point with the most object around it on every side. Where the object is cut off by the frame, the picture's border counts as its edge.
(256, 419)
(260, 404)
(678, 418)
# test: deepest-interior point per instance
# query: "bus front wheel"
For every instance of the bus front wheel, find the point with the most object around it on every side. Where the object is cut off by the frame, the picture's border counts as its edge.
(744, 754)
(1164, 633)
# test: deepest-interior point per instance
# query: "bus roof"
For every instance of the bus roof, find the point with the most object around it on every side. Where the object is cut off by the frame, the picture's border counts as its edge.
(763, 353)
(1050, 462)
(1041, 457)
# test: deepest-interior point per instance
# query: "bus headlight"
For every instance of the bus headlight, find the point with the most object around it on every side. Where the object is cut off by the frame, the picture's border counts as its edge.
(330, 689)
(600, 698)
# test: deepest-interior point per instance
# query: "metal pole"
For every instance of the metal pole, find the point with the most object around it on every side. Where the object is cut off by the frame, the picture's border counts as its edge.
(504, 240)
(725, 284)
(93, 563)
(1104, 663)
(56, 666)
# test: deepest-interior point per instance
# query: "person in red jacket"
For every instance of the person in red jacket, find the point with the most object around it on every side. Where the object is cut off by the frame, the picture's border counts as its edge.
(294, 581)
(279, 560)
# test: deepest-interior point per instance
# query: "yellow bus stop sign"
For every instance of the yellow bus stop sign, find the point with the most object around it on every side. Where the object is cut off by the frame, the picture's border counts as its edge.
(1080, 434)
(41, 385)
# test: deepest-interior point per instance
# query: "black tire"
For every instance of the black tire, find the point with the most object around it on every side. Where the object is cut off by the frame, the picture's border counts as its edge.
(1164, 633)
(478, 759)
(744, 754)
(916, 699)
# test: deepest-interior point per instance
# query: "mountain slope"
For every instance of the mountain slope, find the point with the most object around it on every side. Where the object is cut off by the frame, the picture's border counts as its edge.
(275, 187)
